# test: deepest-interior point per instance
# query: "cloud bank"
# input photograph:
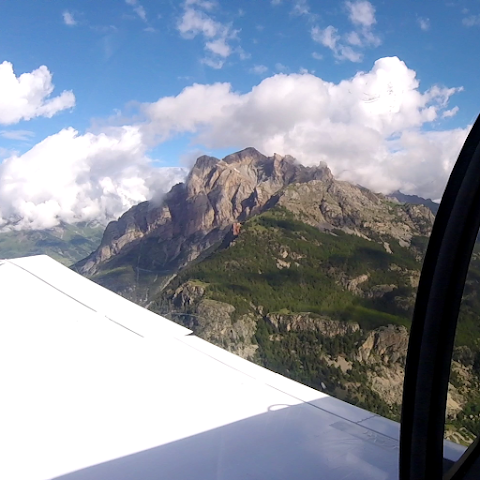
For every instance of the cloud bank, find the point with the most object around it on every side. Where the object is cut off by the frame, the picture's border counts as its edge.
(70, 177)
(368, 128)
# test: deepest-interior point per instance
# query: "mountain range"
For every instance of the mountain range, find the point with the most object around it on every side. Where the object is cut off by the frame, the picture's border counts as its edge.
(142, 251)
(66, 243)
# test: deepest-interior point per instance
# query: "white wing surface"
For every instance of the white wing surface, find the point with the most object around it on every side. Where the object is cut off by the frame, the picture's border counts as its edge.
(95, 387)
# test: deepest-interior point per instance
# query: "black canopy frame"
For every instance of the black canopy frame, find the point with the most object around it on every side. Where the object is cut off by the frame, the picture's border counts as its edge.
(432, 335)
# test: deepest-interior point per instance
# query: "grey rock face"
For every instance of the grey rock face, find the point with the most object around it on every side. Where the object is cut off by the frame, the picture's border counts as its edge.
(215, 324)
(388, 344)
(307, 321)
(334, 204)
(195, 215)
(187, 296)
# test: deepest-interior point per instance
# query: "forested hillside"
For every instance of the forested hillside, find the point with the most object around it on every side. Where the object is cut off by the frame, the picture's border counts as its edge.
(326, 308)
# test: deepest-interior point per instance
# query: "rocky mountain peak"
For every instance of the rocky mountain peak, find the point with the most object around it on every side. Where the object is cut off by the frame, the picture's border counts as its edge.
(220, 193)
(205, 162)
(216, 194)
(242, 173)
(248, 155)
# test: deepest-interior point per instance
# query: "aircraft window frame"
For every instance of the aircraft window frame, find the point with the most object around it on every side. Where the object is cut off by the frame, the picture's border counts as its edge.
(434, 324)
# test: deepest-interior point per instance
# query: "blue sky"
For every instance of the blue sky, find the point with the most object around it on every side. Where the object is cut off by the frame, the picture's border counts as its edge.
(288, 70)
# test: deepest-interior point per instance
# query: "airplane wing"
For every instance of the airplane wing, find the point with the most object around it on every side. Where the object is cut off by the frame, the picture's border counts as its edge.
(95, 387)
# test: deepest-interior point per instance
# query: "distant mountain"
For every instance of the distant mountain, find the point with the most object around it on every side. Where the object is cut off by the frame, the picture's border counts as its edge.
(415, 200)
(66, 243)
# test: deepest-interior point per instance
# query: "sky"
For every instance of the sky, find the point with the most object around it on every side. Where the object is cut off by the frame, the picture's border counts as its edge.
(107, 104)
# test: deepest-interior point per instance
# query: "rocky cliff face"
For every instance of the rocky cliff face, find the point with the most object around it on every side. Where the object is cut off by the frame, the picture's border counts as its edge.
(341, 205)
(197, 214)
(306, 321)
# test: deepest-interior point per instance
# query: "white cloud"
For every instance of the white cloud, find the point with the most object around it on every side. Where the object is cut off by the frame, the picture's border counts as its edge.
(216, 35)
(195, 22)
(259, 69)
(138, 9)
(205, 4)
(317, 56)
(6, 152)
(450, 113)
(96, 177)
(424, 23)
(368, 128)
(187, 112)
(216, 63)
(471, 20)
(69, 19)
(362, 15)
(21, 135)
(300, 7)
(27, 96)
(280, 67)
(329, 38)
(242, 54)
(219, 47)
(353, 38)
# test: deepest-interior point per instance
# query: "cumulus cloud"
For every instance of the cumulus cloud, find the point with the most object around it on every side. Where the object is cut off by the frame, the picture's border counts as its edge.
(69, 19)
(28, 96)
(361, 13)
(217, 37)
(362, 16)
(70, 177)
(368, 128)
